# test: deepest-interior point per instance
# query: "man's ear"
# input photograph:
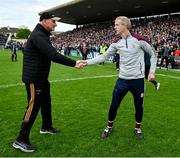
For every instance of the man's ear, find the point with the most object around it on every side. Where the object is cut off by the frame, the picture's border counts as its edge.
(44, 21)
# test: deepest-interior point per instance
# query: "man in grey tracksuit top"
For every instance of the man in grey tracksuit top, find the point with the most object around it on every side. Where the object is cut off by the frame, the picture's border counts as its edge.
(131, 74)
(131, 57)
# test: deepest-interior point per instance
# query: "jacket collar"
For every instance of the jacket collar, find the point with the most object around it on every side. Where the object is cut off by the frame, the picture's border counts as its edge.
(127, 37)
(40, 27)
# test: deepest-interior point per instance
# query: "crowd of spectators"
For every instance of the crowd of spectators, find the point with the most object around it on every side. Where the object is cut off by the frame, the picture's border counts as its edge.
(162, 32)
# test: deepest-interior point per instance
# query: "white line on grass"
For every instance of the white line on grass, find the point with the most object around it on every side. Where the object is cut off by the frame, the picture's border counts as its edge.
(61, 80)
(169, 76)
(81, 78)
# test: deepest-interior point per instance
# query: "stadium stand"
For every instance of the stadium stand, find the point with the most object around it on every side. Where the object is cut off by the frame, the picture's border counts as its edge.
(162, 30)
(5, 35)
(80, 12)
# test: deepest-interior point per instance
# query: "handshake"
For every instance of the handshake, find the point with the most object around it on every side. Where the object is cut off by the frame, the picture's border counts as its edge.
(81, 63)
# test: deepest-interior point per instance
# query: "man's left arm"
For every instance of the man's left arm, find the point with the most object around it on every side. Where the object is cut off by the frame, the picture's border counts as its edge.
(50, 52)
(153, 58)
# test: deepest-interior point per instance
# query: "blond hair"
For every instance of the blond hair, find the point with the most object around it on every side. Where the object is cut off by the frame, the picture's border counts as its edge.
(125, 20)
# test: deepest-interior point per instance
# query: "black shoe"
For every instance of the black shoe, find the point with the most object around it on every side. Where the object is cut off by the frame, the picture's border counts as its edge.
(138, 133)
(25, 147)
(106, 132)
(49, 131)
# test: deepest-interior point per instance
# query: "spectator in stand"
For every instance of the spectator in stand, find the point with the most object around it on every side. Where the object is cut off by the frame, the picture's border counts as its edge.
(84, 51)
(177, 52)
(165, 57)
(171, 60)
(103, 49)
(91, 50)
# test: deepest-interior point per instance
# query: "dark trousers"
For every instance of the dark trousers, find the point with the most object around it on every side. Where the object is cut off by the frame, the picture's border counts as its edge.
(84, 56)
(136, 87)
(147, 69)
(14, 56)
(117, 61)
(166, 61)
(38, 96)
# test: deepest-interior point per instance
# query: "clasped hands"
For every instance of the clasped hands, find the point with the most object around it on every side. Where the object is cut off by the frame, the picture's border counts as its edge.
(81, 64)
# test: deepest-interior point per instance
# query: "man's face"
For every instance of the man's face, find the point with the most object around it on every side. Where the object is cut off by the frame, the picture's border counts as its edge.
(50, 24)
(119, 27)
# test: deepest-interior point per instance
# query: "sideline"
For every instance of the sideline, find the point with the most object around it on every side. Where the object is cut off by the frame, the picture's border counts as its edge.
(169, 76)
(61, 80)
(81, 78)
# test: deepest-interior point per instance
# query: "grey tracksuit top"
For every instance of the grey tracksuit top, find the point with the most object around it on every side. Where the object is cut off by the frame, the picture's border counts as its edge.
(131, 57)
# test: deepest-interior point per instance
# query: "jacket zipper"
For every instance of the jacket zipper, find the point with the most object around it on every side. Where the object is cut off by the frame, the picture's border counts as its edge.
(126, 43)
(141, 68)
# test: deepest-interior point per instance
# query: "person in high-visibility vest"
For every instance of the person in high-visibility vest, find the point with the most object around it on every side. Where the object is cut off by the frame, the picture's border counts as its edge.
(103, 49)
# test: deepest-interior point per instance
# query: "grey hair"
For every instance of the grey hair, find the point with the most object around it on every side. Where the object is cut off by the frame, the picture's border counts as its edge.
(125, 20)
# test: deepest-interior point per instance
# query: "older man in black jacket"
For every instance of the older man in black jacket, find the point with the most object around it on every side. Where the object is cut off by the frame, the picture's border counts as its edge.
(38, 55)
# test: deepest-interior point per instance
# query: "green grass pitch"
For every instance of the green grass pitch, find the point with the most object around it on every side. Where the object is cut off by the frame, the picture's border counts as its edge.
(80, 104)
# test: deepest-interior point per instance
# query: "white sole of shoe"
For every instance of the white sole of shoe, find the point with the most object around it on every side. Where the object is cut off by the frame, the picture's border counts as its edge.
(46, 132)
(22, 149)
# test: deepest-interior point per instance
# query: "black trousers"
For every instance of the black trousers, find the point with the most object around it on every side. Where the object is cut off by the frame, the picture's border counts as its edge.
(162, 60)
(147, 69)
(84, 56)
(136, 87)
(14, 56)
(117, 61)
(38, 96)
